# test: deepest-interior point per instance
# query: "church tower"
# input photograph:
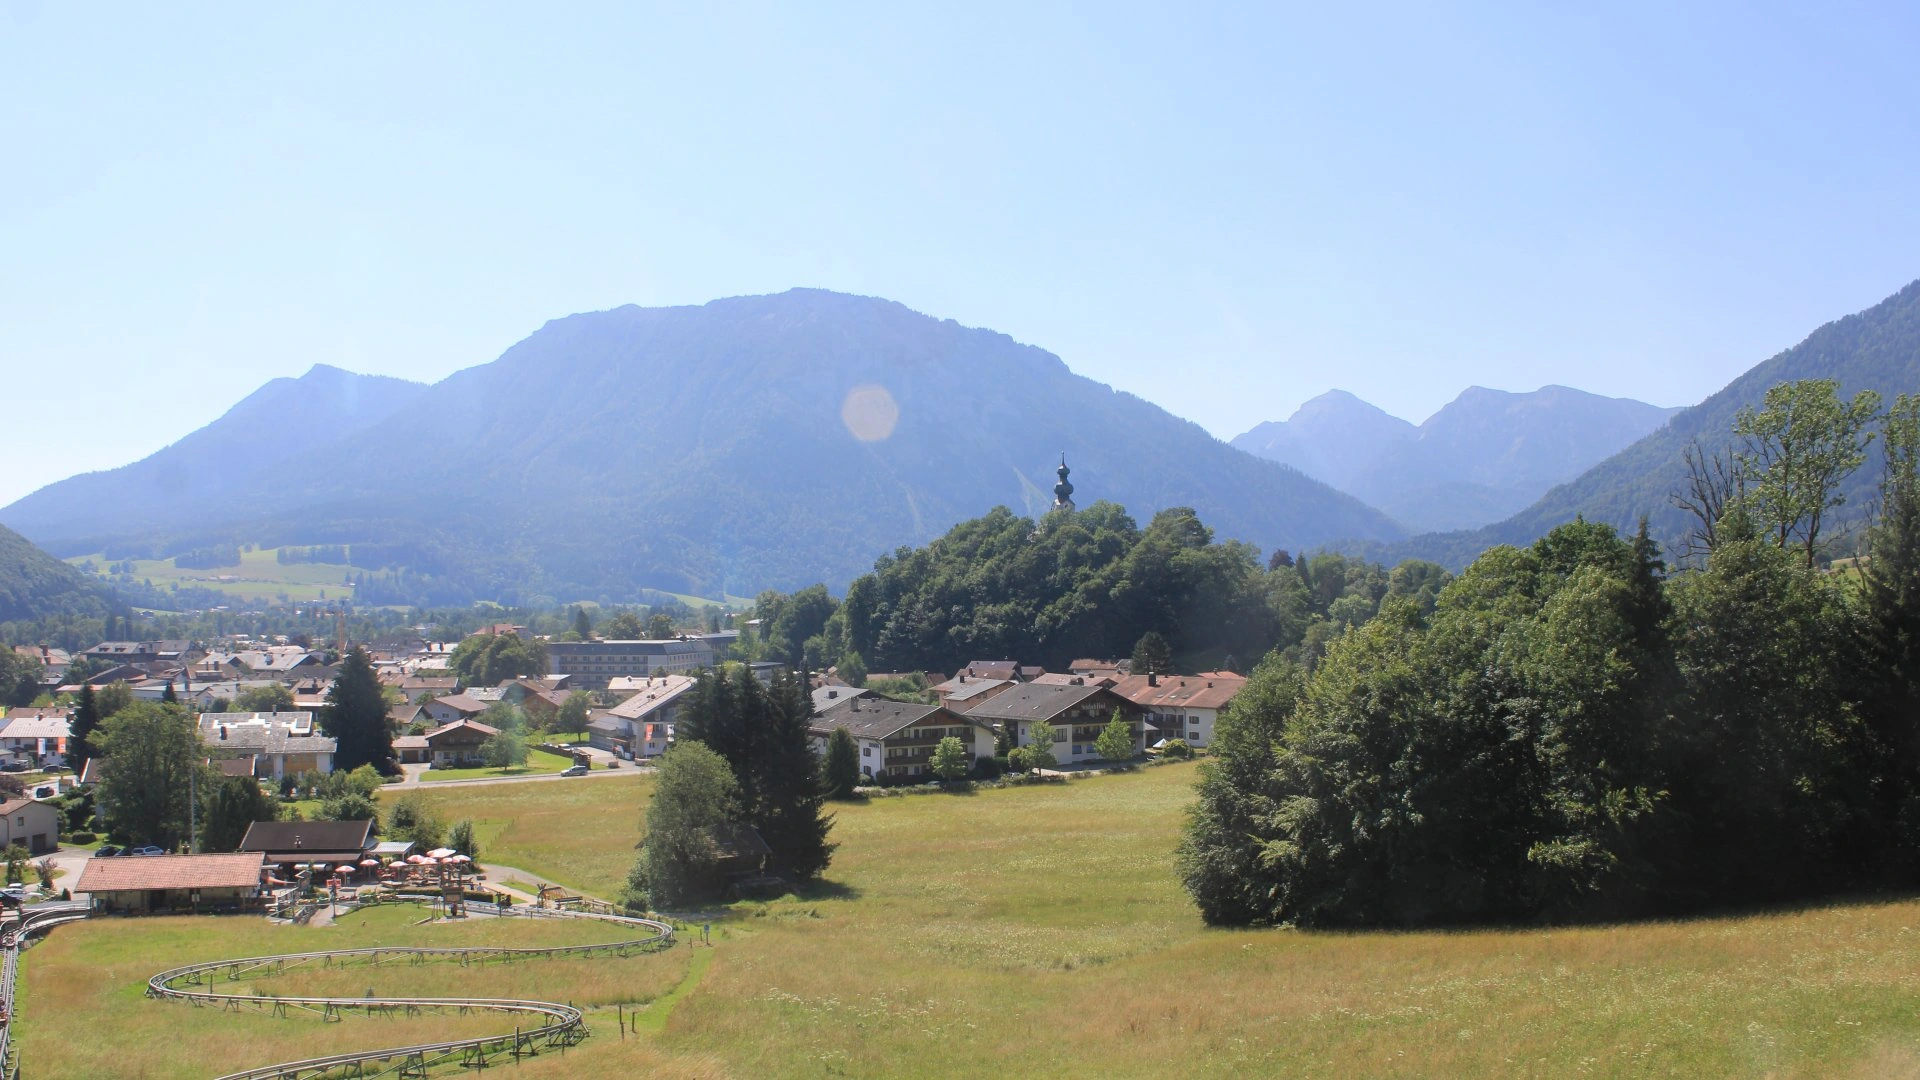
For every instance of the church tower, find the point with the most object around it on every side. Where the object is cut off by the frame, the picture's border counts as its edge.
(1063, 491)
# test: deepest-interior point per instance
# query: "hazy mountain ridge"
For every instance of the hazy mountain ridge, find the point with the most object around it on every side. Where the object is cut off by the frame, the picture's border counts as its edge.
(1484, 455)
(34, 584)
(280, 423)
(1876, 349)
(701, 448)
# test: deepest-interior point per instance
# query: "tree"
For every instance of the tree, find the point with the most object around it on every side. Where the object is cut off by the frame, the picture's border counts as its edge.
(950, 760)
(660, 626)
(80, 732)
(168, 696)
(582, 625)
(273, 697)
(504, 750)
(1713, 483)
(232, 805)
(571, 719)
(460, 838)
(760, 731)
(625, 626)
(1116, 739)
(852, 669)
(153, 762)
(1892, 639)
(349, 806)
(355, 717)
(694, 794)
(842, 766)
(491, 659)
(1151, 655)
(413, 818)
(1039, 746)
(19, 677)
(1797, 450)
(114, 697)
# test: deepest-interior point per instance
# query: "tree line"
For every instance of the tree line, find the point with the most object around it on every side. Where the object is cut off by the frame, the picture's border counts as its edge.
(1573, 733)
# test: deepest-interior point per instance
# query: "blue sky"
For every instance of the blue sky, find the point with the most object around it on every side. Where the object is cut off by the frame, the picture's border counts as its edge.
(1226, 210)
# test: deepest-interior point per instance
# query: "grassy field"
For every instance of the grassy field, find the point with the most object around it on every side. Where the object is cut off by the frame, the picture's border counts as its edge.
(539, 762)
(260, 576)
(579, 833)
(1040, 931)
(83, 1012)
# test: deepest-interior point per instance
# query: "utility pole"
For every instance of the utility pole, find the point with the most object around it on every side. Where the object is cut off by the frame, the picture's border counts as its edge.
(193, 809)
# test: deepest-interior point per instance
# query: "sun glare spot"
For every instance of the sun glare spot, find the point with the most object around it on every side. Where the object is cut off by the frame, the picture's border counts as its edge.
(869, 413)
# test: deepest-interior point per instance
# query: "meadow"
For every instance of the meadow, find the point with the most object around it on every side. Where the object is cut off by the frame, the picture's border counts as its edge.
(1041, 930)
(259, 576)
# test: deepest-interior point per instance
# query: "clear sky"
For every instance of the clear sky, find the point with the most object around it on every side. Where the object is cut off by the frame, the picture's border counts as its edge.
(1226, 210)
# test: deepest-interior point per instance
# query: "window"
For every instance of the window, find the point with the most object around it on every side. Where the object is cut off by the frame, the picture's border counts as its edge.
(866, 751)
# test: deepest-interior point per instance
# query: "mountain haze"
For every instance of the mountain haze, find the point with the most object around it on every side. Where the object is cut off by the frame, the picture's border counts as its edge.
(1876, 349)
(268, 438)
(34, 584)
(696, 449)
(1483, 456)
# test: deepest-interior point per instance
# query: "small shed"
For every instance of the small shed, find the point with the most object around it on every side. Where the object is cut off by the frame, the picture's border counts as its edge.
(144, 884)
(33, 825)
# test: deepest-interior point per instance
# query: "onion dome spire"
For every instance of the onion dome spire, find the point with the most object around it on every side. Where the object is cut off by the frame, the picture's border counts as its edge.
(1063, 491)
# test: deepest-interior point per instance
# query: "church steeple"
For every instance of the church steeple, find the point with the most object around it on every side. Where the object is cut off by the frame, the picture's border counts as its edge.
(1063, 491)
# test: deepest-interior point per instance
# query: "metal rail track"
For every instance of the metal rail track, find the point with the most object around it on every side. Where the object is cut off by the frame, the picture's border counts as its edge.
(552, 1024)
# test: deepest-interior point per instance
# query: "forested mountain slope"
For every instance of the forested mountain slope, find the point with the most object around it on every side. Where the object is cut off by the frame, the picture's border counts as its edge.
(765, 441)
(34, 584)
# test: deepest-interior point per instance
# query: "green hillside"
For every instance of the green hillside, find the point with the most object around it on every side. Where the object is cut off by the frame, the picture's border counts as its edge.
(34, 584)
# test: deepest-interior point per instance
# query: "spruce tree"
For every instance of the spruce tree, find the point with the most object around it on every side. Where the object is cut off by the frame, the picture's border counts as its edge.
(582, 625)
(86, 719)
(761, 733)
(356, 717)
(167, 696)
(236, 803)
(843, 765)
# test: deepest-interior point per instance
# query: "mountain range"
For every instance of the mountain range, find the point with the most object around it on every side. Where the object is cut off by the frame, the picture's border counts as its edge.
(754, 442)
(1877, 349)
(1484, 456)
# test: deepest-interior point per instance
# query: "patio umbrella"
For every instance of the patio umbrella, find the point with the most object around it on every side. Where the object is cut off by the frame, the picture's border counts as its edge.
(458, 859)
(344, 868)
(369, 862)
(440, 853)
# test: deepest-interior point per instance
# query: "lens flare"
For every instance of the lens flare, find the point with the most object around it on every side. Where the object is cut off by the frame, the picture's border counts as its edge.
(869, 413)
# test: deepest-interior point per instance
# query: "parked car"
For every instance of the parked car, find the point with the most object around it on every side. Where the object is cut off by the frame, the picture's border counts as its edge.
(106, 851)
(147, 849)
(14, 890)
(576, 770)
(13, 766)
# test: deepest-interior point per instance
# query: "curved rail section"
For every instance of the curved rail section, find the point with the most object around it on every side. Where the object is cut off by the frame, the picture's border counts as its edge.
(543, 1024)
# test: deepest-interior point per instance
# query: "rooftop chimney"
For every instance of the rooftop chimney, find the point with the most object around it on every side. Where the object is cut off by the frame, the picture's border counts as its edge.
(1153, 678)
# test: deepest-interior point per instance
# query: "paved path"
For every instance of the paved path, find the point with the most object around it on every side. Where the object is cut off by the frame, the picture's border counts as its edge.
(414, 773)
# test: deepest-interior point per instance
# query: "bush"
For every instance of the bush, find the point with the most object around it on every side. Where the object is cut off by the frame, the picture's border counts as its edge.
(1177, 750)
(82, 838)
(1017, 760)
(989, 768)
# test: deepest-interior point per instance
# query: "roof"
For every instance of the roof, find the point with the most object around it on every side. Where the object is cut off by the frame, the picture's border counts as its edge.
(263, 733)
(137, 872)
(465, 703)
(488, 694)
(958, 689)
(663, 692)
(21, 803)
(430, 682)
(1065, 678)
(235, 766)
(410, 742)
(880, 718)
(462, 725)
(307, 836)
(1180, 691)
(828, 697)
(50, 724)
(991, 669)
(1034, 701)
(394, 848)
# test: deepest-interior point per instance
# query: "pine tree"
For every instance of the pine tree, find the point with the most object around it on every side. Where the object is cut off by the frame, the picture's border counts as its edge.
(582, 625)
(842, 766)
(86, 719)
(1151, 655)
(167, 696)
(356, 717)
(761, 733)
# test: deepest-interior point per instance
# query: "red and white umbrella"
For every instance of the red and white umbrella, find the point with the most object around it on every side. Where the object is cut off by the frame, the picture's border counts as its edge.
(440, 853)
(344, 868)
(369, 862)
